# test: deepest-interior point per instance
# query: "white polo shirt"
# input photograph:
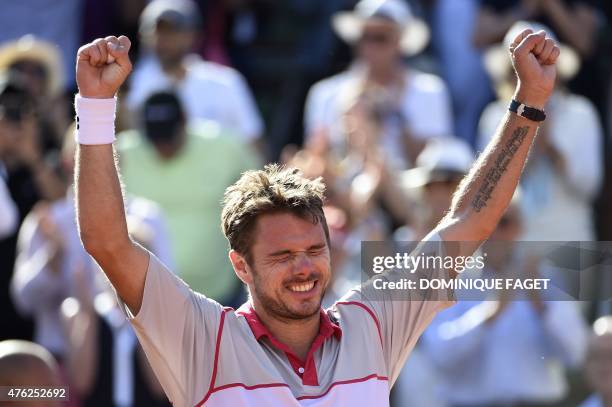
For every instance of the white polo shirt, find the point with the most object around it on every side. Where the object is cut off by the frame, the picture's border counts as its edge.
(208, 91)
(205, 354)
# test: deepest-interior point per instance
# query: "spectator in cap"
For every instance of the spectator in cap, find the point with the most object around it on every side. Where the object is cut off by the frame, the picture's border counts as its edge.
(598, 367)
(168, 29)
(185, 167)
(564, 172)
(413, 106)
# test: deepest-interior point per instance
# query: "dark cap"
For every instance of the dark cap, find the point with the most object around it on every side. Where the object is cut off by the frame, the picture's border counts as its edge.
(162, 115)
(182, 14)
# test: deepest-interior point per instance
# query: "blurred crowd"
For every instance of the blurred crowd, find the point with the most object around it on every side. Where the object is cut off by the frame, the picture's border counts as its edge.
(389, 101)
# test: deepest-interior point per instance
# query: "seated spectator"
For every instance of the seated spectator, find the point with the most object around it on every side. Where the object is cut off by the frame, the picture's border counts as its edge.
(564, 171)
(207, 90)
(412, 106)
(26, 364)
(598, 366)
(40, 65)
(185, 169)
(510, 349)
(49, 251)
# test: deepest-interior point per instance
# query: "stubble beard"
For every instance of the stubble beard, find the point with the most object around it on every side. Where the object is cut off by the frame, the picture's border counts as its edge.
(279, 309)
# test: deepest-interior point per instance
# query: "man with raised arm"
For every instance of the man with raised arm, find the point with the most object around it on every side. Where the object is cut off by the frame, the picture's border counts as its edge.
(281, 348)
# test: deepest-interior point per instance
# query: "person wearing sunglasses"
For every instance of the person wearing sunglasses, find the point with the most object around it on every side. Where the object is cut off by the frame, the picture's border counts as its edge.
(413, 106)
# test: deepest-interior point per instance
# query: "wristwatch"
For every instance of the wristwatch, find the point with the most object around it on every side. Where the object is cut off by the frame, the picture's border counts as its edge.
(527, 112)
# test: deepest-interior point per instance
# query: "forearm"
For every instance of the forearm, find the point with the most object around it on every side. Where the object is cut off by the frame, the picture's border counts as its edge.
(100, 209)
(484, 194)
(101, 214)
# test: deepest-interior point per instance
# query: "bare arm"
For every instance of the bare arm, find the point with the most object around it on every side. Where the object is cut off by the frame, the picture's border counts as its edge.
(100, 208)
(484, 194)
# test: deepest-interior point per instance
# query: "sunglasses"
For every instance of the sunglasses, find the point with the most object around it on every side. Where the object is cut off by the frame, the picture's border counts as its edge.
(31, 68)
(375, 38)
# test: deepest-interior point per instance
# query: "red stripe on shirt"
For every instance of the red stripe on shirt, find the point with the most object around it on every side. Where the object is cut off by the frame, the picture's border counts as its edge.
(216, 362)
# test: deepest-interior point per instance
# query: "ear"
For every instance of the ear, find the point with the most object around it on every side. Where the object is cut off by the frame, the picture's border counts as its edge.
(241, 267)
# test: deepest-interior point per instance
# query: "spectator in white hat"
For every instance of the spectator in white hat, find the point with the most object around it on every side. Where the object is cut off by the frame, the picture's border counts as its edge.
(564, 172)
(413, 106)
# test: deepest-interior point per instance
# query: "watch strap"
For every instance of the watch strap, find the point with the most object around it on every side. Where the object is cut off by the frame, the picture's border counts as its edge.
(527, 112)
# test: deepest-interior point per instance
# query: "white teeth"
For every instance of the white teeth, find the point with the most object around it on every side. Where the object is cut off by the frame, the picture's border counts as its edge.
(302, 287)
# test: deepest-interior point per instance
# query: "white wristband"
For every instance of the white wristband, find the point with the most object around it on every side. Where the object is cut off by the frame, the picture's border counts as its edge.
(95, 120)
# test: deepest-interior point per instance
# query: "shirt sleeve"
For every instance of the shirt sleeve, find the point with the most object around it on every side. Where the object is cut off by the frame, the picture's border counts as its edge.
(403, 315)
(35, 287)
(177, 329)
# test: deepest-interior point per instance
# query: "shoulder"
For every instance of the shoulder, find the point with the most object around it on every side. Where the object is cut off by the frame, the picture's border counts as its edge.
(425, 83)
(214, 72)
(211, 134)
(576, 104)
(328, 86)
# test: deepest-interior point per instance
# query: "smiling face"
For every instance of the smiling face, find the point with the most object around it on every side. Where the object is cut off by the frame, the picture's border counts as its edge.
(289, 267)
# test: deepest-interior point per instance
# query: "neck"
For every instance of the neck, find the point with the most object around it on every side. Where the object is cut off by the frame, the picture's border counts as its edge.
(297, 334)
(175, 70)
(384, 75)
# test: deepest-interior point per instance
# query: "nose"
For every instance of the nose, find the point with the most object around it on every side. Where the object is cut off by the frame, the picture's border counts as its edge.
(303, 264)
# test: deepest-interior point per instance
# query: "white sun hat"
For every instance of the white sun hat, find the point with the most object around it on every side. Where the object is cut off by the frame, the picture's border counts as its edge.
(415, 33)
(497, 60)
(32, 48)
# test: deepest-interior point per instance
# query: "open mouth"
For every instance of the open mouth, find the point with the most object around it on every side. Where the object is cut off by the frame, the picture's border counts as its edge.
(302, 287)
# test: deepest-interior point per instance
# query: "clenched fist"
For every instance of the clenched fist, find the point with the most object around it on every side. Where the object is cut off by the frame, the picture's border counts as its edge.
(102, 66)
(534, 57)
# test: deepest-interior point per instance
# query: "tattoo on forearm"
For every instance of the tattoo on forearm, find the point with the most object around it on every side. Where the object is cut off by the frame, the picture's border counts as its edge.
(493, 175)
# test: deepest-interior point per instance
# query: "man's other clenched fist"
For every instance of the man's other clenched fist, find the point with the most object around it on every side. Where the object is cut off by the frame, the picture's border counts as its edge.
(534, 57)
(102, 67)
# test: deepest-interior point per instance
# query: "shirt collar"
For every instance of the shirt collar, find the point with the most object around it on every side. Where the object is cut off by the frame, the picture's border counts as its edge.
(326, 328)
